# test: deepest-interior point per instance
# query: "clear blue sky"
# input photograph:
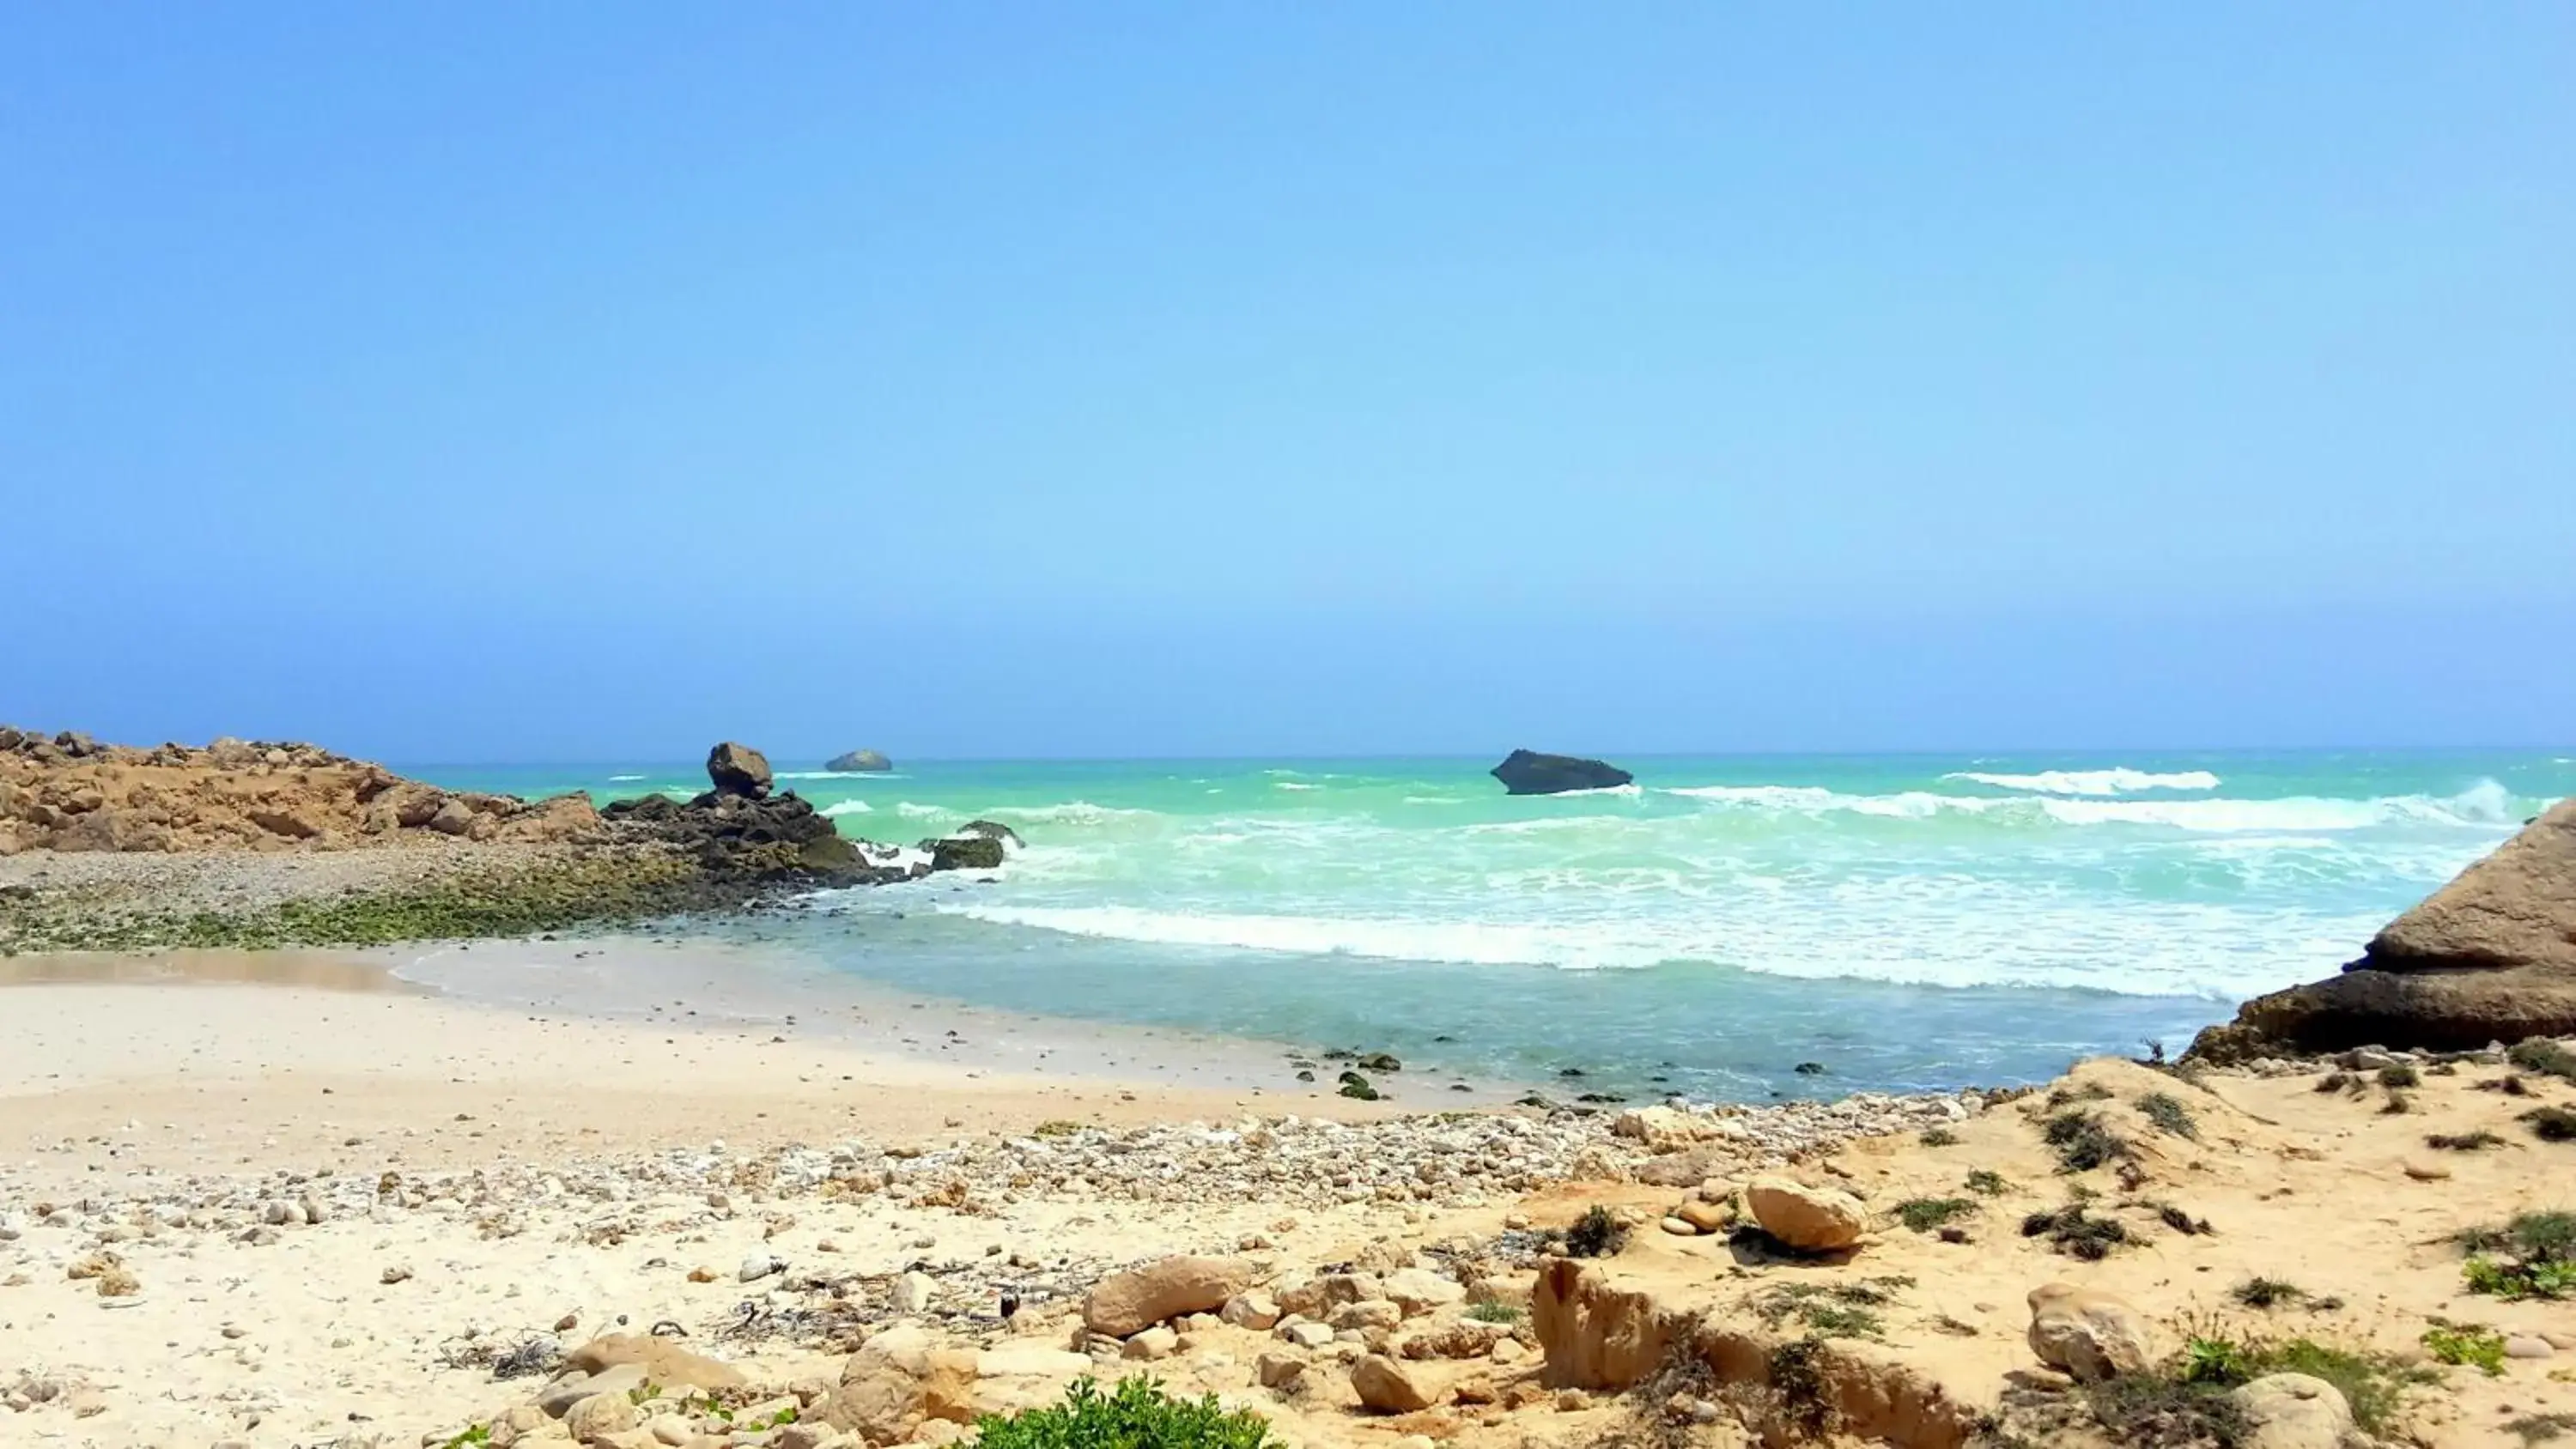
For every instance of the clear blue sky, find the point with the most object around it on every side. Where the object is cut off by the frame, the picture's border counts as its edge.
(472, 381)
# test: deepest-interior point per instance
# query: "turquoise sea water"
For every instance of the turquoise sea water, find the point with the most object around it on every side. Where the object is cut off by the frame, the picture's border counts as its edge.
(1909, 921)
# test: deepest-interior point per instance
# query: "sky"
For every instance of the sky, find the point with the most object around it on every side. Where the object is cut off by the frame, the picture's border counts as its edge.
(470, 382)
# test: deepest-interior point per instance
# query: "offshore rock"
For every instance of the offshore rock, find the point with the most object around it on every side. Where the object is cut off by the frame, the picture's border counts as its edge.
(859, 762)
(1527, 772)
(2489, 957)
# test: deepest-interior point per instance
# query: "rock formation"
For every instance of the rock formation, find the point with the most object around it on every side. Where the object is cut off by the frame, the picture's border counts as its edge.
(1527, 772)
(859, 762)
(2489, 957)
(738, 770)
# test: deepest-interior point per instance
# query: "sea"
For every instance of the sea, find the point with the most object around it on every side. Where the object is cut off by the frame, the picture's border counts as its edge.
(1730, 927)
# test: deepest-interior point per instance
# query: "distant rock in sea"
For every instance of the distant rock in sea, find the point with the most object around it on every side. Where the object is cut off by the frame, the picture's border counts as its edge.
(859, 762)
(1527, 772)
(2490, 957)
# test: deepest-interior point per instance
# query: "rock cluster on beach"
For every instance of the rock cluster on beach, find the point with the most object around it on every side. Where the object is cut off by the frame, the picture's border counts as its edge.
(422, 861)
(2490, 957)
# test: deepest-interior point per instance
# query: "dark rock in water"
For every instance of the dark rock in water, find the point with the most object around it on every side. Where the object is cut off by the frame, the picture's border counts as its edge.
(2489, 957)
(1380, 1062)
(964, 852)
(859, 762)
(1809, 1069)
(738, 770)
(992, 829)
(1359, 1088)
(1527, 772)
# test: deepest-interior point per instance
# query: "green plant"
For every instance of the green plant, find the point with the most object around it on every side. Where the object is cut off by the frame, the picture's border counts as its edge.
(2552, 1124)
(2531, 1256)
(2215, 1360)
(2072, 1232)
(2466, 1344)
(1939, 1137)
(1495, 1311)
(1057, 1128)
(2083, 1141)
(1596, 1234)
(1986, 1183)
(1138, 1416)
(2169, 1114)
(2265, 1292)
(2400, 1074)
(2544, 1056)
(473, 1435)
(2477, 1141)
(2184, 1400)
(1923, 1214)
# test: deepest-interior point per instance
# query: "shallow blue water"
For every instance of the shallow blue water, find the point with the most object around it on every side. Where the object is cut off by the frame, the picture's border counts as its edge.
(1909, 921)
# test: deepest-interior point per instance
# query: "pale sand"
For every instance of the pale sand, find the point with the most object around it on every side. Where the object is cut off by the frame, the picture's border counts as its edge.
(123, 1086)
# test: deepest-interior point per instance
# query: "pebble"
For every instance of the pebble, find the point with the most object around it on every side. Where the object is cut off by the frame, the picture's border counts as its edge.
(2528, 1345)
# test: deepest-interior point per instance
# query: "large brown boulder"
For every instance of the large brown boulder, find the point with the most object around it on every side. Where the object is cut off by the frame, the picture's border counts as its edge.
(2489, 957)
(1133, 1301)
(738, 770)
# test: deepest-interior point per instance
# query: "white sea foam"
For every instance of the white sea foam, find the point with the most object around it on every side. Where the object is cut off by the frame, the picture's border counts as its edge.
(911, 810)
(626, 777)
(2482, 805)
(847, 807)
(1433, 800)
(2118, 780)
(1072, 812)
(1293, 785)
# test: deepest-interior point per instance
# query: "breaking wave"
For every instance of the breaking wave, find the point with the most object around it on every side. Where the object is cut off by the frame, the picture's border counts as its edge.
(2118, 780)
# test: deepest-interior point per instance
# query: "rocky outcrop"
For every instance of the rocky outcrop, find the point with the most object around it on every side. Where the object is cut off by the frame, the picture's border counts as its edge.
(738, 770)
(965, 852)
(68, 792)
(2489, 957)
(1527, 772)
(859, 762)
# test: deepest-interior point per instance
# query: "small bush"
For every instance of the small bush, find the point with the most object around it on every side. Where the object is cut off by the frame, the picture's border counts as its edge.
(2400, 1074)
(2072, 1232)
(1493, 1311)
(2552, 1124)
(1057, 1128)
(2540, 1428)
(2397, 1105)
(2468, 1345)
(1923, 1214)
(2169, 1114)
(2335, 1082)
(2083, 1141)
(2184, 1401)
(1986, 1184)
(2533, 1256)
(2544, 1056)
(2182, 1222)
(1839, 1310)
(1597, 1234)
(1138, 1416)
(2067, 1096)
(1939, 1137)
(2266, 1292)
(2478, 1141)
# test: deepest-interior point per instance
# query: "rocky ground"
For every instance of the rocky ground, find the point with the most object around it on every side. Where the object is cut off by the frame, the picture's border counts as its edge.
(2286, 1254)
(111, 847)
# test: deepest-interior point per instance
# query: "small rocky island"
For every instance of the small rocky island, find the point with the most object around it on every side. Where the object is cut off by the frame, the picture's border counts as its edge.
(859, 762)
(254, 843)
(1528, 772)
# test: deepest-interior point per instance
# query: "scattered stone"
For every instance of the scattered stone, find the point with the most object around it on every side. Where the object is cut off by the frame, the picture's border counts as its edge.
(1419, 1290)
(1255, 1310)
(2528, 1345)
(1127, 1303)
(395, 1273)
(1278, 1370)
(759, 1266)
(1152, 1344)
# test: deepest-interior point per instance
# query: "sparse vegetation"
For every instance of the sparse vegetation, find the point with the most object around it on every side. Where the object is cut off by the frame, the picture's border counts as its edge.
(2397, 1105)
(2468, 1345)
(2072, 1231)
(2510, 1084)
(2400, 1074)
(2182, 1222)
(1833, 1310)
(2267, 1292)
(1060, 1127)
(1986, 1183)
(1492, 1310)
(1923, 1214)
(1138, 1416)
(2335, 1082)
(2478, 1141)
(1939, 1137)
(1596, 1234)
(2552, 1124)
(2169, 1114)
(2083, 1141)
(2533, 1256)
(2544, 1056)
(2062, 1097)
(2184, 1401)
(2541, 1428)
(1800, 1386)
